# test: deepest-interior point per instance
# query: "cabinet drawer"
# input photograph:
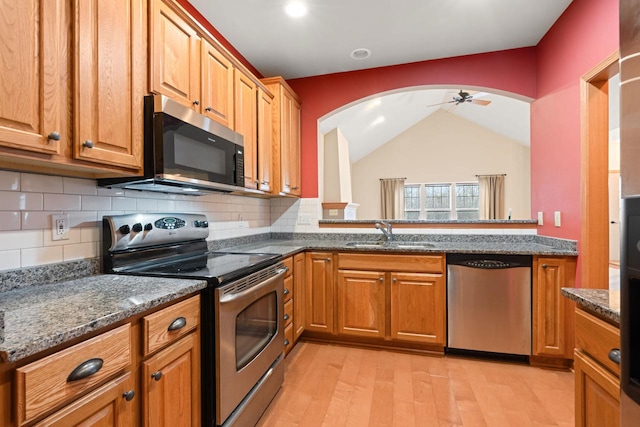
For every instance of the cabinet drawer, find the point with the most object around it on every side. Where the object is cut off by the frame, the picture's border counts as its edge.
(288, 312)
(410, 263)
(288, 288)
(44, 384)
(169, 324)
(288, 338)
(597, 338)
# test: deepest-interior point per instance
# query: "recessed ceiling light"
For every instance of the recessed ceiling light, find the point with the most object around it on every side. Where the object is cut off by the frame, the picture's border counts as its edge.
(360, 53)
(296, 9)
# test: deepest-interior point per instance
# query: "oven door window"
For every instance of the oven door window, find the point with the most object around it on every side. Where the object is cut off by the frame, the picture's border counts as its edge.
(256, 326)
(193, 152)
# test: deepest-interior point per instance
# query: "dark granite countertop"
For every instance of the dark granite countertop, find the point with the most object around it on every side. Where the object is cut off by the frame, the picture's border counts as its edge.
(38, 317)
(287, 247)
(601, 301)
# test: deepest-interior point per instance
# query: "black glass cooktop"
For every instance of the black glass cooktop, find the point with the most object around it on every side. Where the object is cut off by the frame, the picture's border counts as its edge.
(215, 267)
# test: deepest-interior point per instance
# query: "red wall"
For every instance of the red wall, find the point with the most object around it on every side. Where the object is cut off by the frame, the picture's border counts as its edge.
(511, 71)
(580, 39)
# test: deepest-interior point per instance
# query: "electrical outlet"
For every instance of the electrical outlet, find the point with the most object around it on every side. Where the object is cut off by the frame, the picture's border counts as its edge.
(540, 218)
(60, 227)
(304, 219)
(556, 218)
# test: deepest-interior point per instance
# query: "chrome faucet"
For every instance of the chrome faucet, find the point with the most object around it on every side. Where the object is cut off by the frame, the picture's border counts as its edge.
(386, 229)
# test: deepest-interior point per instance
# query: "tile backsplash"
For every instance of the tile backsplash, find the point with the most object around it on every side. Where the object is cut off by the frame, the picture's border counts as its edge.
(28, 200)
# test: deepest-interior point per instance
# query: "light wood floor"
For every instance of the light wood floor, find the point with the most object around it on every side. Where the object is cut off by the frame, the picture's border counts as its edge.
(327, 385)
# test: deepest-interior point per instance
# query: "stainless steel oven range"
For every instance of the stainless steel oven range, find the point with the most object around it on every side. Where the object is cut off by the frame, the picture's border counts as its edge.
(242, 337)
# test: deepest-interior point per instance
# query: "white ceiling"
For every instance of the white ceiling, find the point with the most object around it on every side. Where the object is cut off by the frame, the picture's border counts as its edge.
(395, 32)
(370, 124)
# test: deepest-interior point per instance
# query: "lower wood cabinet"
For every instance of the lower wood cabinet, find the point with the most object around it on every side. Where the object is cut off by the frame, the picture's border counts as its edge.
(145, 371)
(387, 300)
(171, 385)
(552, 315)
(597, 375)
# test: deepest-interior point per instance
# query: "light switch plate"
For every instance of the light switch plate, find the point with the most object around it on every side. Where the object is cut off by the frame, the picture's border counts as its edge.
(556, 218)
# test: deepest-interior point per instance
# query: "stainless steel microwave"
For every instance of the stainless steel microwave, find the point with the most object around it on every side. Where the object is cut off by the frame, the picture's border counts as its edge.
(185, 152)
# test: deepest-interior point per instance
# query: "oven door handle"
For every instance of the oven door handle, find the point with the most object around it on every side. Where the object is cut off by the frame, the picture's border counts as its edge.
(253, 289)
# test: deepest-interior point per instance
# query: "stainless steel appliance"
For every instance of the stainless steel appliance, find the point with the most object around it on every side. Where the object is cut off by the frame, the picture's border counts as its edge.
(489, 303)
(242, 336)
(630, 313)
(185, 152)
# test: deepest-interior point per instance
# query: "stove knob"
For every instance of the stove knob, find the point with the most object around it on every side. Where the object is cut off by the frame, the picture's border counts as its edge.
(148, 227)
(196, 223)
(204, 224)
(137, 227)
(124, 229)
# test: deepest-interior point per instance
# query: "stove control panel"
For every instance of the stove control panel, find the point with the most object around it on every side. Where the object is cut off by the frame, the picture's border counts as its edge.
(132, 231)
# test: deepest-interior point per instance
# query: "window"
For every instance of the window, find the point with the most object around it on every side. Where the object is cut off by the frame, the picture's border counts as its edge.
(442, 201)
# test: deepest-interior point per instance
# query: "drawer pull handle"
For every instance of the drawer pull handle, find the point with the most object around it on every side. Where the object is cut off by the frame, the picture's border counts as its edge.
(128, 395)
(88, 143)
(85, 369)
(54, 136)
(157, 375)
(286, 317)
(614, 355)
(286, 291)
(286, 342)
(179, 323)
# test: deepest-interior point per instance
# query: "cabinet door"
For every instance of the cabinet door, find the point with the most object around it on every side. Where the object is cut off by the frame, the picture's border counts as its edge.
(171, 385)
(319, 292)
(106, 406)
(286, 108)
(265, 143)
(32, 48)
(299, 292)
(552, 315)
(294, 148)
(175, 56)
(597, 394)
(109, 81)
(361, 303)
(245, 124)
(217, 85)
(418, 307)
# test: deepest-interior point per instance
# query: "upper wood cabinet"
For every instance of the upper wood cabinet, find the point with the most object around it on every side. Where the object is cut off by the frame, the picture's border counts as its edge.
(109, 81)
(32, 48)
(286, 137)
(217, 85)
(552, 316)
(264, 140)
(246, 124)
(174, 56)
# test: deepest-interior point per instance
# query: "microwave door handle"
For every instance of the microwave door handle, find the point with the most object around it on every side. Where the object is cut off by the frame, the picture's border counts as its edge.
(264, 284)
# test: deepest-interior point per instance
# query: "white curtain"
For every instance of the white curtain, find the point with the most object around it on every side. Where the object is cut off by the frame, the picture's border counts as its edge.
(392, 198)
(491, 196)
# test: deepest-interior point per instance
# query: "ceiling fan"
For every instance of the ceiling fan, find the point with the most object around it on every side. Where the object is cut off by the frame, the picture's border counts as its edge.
(462, 97)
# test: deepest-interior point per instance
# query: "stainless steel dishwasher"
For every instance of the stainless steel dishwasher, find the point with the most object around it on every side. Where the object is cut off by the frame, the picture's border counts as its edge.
(489, 303)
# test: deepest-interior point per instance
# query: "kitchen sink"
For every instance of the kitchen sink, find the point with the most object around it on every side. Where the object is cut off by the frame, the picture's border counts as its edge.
(390, 245)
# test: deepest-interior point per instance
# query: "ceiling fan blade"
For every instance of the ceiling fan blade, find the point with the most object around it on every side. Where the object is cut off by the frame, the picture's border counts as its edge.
(441, 103)
(482, 102)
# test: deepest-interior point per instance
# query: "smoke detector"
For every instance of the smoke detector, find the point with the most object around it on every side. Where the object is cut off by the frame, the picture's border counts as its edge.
(360, 53)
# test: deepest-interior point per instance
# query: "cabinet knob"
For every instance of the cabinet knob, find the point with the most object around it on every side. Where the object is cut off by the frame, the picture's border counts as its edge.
(128, 395)
(196, 102)
(544, 265)
(286, 342)
(54, 136)
(286, 291)
(328, 259)
(395, 279)
(208, 109)
(88, 143)
(614, 355)
(286, 316)
(381, 279)
(295, 188)
(157, 375)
